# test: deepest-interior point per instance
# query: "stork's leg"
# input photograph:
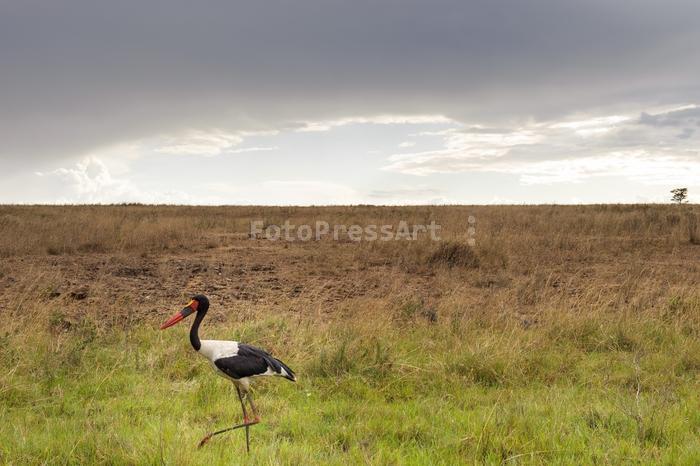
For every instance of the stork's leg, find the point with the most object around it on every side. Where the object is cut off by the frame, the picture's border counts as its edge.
(240, 398)
(246, 423)
(245, 419)
(256, 416)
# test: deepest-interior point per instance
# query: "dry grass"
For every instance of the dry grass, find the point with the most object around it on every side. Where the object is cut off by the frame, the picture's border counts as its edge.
(566, 330)
(535, 229)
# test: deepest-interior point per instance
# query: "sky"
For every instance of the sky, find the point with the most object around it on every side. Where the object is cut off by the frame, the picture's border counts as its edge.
(349, 102)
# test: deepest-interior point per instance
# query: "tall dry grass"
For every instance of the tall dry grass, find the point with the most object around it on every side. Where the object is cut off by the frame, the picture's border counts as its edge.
(517, 230)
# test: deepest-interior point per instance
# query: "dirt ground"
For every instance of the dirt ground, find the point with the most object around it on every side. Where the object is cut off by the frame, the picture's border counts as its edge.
(249, 276)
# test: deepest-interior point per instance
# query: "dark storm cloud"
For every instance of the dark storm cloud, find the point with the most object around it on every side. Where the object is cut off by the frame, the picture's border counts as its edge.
(80, 74)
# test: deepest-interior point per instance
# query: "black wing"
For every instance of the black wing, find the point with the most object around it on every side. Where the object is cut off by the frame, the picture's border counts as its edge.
(250, 361)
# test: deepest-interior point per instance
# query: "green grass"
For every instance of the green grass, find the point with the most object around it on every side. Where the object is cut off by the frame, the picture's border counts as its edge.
(579, 390)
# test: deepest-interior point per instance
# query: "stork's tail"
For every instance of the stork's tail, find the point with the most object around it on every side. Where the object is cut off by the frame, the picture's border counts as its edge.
(286, 371)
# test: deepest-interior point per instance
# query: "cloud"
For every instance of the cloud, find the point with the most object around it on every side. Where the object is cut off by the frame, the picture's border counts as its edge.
(90, 181)
(684, 115)
(592, 126)
(243, 150)
(204, 143)
(197, 142)
(648, 150)
(311, 126)
(686, 133)
(463, 150)
(640, 166)
(510, 87)
(131, 70)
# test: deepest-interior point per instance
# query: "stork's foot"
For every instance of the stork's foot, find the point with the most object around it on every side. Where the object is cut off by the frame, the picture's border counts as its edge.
(247, 423)
(205, 440)
(250, 422)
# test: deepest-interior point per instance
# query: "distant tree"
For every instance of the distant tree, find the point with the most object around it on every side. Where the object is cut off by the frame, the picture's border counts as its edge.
(680, 195)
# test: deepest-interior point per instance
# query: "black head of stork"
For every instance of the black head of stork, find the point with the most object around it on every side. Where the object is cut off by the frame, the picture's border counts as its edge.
(198, 304)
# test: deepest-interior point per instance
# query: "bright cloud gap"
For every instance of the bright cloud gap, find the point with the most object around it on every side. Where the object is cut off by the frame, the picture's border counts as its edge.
(654, 148)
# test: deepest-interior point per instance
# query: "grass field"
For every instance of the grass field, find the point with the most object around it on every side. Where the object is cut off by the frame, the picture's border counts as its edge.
(565, 335)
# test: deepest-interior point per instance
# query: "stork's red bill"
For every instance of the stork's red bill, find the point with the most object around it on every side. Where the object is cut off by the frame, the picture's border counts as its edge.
(189, 309)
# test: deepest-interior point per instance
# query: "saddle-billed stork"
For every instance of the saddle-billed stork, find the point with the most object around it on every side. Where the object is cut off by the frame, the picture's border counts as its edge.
(237, 362)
